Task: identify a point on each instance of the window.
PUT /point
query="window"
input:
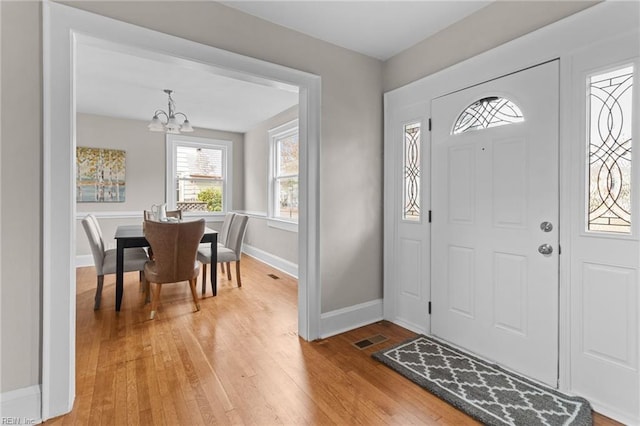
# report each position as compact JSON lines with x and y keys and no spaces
{"x":488,"y":112}
{"x":283,"y":187}
{"x":199,"y":174}
{"x":609,"y":119}
{"x":411,"y":167}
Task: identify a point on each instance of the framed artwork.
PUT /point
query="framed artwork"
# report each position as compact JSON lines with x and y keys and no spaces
{"x":100,"y":175}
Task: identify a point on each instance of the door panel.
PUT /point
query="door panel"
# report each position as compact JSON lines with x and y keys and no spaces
{"x":492,"y":291}
{"x":509,"y":183}
{"x":462,"y":184}
{"x":406,"y":300}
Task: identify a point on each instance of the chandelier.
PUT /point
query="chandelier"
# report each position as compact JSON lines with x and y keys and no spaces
{"x":170,"y":124}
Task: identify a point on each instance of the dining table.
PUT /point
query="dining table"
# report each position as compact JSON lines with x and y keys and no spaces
{"x":128,"y":236}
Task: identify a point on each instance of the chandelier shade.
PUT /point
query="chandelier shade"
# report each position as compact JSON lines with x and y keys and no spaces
{"x":169,"y":123}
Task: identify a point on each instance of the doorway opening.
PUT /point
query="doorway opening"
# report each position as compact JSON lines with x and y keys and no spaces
{"x":64,"y":28}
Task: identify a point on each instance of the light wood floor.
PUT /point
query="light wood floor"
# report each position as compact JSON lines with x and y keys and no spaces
{"x":237,"y":361}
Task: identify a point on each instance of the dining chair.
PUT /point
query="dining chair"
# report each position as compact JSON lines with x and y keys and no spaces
{"x":148,"y":215}
{"x":222,"y":238}
{"x":229,"y":253}
{"x":175,"y":248}
{"x":224,"y":230}
{"x":105,"y":260}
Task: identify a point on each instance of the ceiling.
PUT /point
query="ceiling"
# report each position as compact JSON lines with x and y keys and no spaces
{"x":380,"y":29}
{"x":118,"y":82}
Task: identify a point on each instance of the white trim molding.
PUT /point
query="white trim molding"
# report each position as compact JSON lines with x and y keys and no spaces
{"x":350,"y":318}
{"x":111,"y":214}
{"x":274,"y":261}
{"x":21,"y":406}
{"x":137,"y":214}
{"x":283,"y":225}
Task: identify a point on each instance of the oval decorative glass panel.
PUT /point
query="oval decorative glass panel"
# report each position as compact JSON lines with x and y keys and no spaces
{"x":488,"y":112}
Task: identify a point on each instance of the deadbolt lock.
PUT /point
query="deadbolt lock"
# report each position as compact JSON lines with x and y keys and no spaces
{"x":546,"y":226}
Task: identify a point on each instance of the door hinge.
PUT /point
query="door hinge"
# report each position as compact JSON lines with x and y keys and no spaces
{"x":559,"y":250}
{"x":429,"y":216}
{"x":429,"y":308}
{"x":429,"y":124}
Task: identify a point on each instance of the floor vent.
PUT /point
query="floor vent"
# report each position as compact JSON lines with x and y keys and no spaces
{"x":369,"y":341}
{"x":274,"y":276}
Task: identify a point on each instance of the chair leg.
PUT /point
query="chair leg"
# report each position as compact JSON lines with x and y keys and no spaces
{"x":192,"y":285}
{"x":98,"y":297}
{"x":146,"y":287}
{"x":155,"y":300}
{"x":222,"y":267}
{"x":229,"y":271}
{"x":238,"y":273}
{"x":204,"y":278}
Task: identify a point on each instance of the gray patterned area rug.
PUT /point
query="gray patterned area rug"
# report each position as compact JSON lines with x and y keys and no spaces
{"x":484,"y":391}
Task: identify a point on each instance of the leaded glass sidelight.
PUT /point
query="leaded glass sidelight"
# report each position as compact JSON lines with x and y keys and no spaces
{"x":609,"y":139}
{"x":411,"y":196}
{"x":488,"y":112}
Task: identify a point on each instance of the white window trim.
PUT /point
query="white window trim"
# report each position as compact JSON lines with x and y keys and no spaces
{"x":275,"y":134}
{"x":172,"y":141}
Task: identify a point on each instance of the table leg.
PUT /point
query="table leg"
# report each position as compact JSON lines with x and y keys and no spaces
{"x":119,"y":274}
{"x":214,"y":265}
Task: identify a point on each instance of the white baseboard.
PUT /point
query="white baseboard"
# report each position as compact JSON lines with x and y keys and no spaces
{"x":21,"y":406}
{"x":607,"y":410}
{"x":271,"y":260}
{"x":84,"y":260}
{"x":410,"y":326}
{"x":341,"y":320}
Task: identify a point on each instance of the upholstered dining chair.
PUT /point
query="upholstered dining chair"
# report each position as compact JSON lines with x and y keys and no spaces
{"x":228,"y":254}
{"x":175,"y":248}
{"x":105,"y":260}
{"x":224,"y":230}
{"x":149,"y":216}
{"x":222,"y":238}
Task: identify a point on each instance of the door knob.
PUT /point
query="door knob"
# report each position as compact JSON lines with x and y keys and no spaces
{"x":545,"y":249}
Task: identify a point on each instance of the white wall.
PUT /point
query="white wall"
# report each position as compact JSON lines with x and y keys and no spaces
{"x":21,"y":194}
{"x":145,"y":168}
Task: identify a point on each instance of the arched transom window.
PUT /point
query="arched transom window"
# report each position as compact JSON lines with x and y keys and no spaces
{"x":488,"y":112}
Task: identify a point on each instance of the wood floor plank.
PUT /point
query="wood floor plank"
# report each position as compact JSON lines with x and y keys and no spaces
{"x":238,"y":361}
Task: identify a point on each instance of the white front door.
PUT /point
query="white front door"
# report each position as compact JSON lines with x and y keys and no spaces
{"x":495,"y":208}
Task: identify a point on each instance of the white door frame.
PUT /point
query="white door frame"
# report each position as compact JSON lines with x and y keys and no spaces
{"x":561,"y":40}
{"x":63,"y":26}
